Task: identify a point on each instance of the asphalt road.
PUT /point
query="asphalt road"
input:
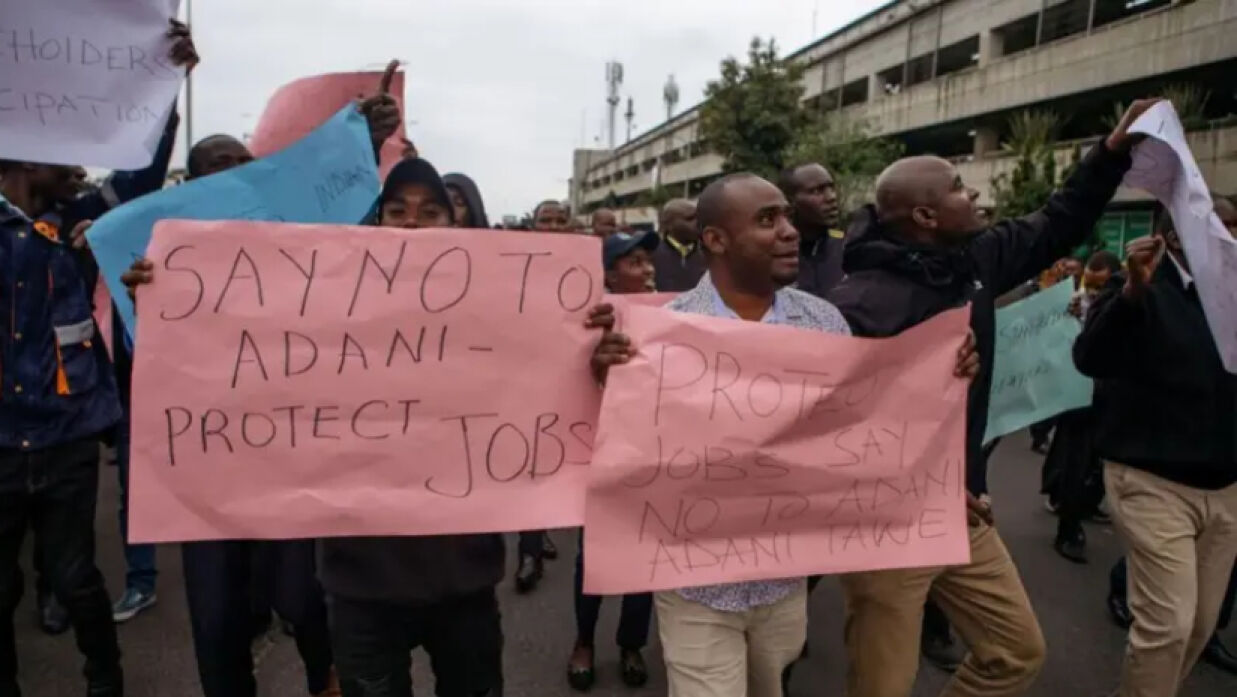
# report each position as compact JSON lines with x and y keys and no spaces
{"x":1084,"y":649}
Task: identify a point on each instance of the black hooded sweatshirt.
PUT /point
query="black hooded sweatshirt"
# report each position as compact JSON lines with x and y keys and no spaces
{"x":892,"y":285}
{"x":476,"y":207}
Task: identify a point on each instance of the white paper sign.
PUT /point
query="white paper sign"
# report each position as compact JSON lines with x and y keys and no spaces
{"x":85,"y":82}
{"x":1165,"y":167}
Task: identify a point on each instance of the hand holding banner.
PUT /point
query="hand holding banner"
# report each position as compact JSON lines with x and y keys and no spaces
{"x":315,"y":381}
{"x":85,"y":83}
{"x":732,"y":451}
{"x":329,"y":177}
{"x":1165,"y":167}
{"x":300,"y":106}
{"x":1033,"y":373}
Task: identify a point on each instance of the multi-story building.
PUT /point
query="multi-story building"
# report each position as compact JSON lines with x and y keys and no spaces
{"x":945,"y":76}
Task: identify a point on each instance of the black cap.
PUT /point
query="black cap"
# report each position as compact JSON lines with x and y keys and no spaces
{"x":415,"y":170}
{"x":620,"y":244}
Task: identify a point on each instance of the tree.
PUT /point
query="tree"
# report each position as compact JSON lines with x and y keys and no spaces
{"x":752,"y":113}
{"x":1035,"y":175}
{"x":847,"y":149}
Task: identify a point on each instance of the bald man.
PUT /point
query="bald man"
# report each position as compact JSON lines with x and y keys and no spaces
{"x":679,"y":263}
{"x":605,"y":222}
{"x":924,"y":248}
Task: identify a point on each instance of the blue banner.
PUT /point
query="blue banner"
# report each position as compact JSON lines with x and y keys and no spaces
{"x":329,"y":176}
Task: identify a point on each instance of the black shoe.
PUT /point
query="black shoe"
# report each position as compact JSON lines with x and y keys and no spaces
{"x":548,"y":550}
{"x":942,"y":652}
{"x":529,"y":573}
{"x":1219,"y":656}
{"x":111,"y":685}
{"x":1119,"y":611}
{"x":1040,"y":447}
{"x":635,"y":673}
{"x":53,"y":618}
{"x":581,"y":678}
{"x":1072,"y":547}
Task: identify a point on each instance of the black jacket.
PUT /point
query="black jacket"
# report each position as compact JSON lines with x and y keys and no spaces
{"x":820,"y":262}
{"x":892,"y":285}
{"x":411,"y":570}
{"x":675,"y":273}
{"x":1163,"y":401}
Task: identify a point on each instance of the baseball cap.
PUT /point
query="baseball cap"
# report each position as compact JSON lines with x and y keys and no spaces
{"x":620,"y":244}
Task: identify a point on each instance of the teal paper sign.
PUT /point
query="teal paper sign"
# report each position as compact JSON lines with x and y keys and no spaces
{"x":1033,"y":374}
{"x":329,"y":176}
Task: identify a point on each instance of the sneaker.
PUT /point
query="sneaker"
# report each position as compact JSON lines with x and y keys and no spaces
{"x":131,"y":603}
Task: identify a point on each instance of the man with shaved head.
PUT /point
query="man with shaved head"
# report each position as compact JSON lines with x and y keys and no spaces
{"x":679,"y":263}
{"x":605,"y":222}
{"x":922,"y":249}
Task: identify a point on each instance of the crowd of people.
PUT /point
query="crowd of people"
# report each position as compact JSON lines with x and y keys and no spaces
{"x":1159,"y":444}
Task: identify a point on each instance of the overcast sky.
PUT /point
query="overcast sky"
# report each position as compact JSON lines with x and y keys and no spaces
{"x":501,"y":90}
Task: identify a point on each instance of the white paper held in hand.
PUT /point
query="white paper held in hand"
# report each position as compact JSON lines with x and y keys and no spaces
{"x":1165,"y":167}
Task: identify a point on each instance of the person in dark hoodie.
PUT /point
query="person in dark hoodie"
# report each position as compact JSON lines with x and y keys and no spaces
{"x":390,"y":595}
{"x":466,"y":201}
{"x":924,"y":248}
{"x":1166,"y":428}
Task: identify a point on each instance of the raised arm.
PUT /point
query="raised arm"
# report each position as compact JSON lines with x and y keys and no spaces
{"x":1015,"y":250}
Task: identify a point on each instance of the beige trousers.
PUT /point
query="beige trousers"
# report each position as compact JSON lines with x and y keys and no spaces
{"x":1182,"y":542}
{"x":710,"y":653}
{"x":985,"y":603}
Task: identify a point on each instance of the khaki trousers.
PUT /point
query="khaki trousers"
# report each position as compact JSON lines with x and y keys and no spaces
{"x":985,"y":603}
{"x":710,"y":653}
{"x":1182,"y":542}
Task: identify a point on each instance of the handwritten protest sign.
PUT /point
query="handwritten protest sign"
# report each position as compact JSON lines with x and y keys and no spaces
{"x":645,"y":299}
{"x":730,"y":451}
{"x":1165,"y":167}
{"x":311,"y":381}
{"x":85,"y":82}
{"x":301,"y":106}
{"x":329,"y":177}
{"x":622,"y":301}
{"x":1033,"y":373}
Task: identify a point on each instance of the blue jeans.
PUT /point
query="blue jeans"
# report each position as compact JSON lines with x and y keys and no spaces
{"x":140,"y":570}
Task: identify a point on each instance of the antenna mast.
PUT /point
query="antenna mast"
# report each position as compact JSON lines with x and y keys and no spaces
{"x":614,"y":78}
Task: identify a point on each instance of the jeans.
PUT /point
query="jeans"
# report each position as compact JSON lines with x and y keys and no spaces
{"x":140,"y":571}
{"x":218,"y":584}
{"x":637,"y":613}
{"x":53,"y":491}
{"x":462,"y":635}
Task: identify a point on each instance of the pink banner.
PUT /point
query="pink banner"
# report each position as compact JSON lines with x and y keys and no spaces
{"x":302,"y":105}
{"x":733,"y":451}
{"x":319,"y":380}
{"x":645,"y":299}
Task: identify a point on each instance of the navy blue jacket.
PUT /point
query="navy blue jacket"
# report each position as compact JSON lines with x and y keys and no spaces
{"x":56,"y":380}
